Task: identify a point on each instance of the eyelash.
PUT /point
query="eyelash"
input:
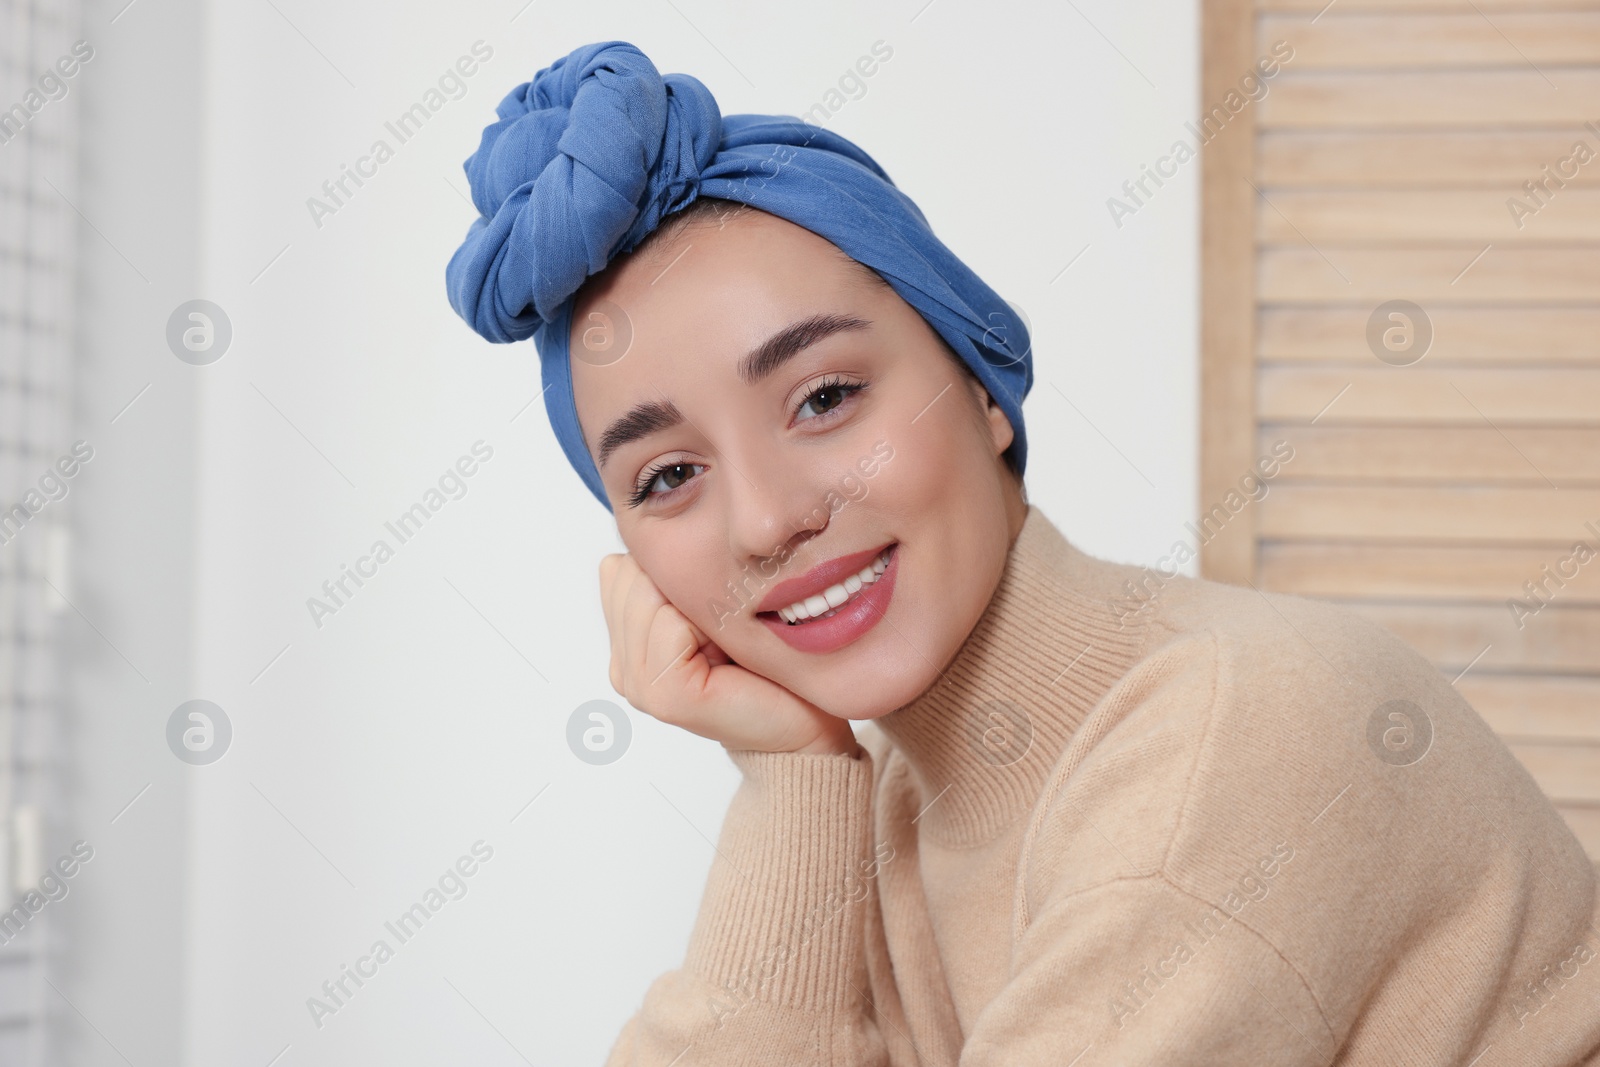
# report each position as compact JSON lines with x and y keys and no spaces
{"x":641,"y":491}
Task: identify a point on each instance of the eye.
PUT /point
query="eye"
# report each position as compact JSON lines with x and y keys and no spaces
{"x":832,"y":393}
{"x":672,"y":473}
{"x":825,"y":399}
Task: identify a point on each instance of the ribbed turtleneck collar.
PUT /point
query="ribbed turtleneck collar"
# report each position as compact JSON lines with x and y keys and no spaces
{"x":1047,"y":647}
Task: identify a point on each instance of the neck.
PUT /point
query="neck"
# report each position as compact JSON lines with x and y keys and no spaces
{"x":982,"y":739}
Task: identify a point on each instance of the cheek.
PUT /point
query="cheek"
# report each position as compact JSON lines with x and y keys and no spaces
{"x":937,"y":455}
{"x":693,"y":579}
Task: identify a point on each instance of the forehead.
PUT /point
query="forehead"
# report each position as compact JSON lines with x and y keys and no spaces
{"x":714,"y":259}
{"x":690,"y":307}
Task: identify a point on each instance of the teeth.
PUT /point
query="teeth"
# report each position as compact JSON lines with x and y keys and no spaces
{"x":826,"y":603}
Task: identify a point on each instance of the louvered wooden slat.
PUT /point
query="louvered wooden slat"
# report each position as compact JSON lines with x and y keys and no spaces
{"x":1433,"y":514}
{"x":1461,"y":334}
{"x":1435,"y":572}
{"x":1570,"y":457}
{"x":1560,"y":639}
{"x":1434,"y":100}
{"x":1332,"y":274}
{"x":1400,"y":40}
{"x":1585,"y":823}
{"x":1314,"y":7}
{"x":1555,"y":216}
{"x":1416,"y":394}
{"x":1564,"y":772}
{"x":1548,"y":708}
{"x":1502,"y":159}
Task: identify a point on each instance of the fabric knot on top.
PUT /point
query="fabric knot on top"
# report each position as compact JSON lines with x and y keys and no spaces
{"x":585,"y":161}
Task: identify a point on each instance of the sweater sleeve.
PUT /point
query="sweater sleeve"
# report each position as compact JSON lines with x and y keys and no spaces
{"x":1118,"y":974}
{"x":775,"y":970}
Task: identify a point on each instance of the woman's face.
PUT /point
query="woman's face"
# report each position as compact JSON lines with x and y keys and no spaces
{"x":777,"y":409}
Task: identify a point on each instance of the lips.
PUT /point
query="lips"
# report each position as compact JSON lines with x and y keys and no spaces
{"x":818,"y":578}
{"x":846,"y":623}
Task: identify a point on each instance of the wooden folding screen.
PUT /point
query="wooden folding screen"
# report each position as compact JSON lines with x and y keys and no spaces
{"x":1401,"y":279}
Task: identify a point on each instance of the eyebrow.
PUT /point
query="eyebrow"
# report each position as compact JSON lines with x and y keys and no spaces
{"x":653,"y":416}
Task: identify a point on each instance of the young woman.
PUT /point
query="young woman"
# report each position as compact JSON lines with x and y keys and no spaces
{"x":1091,"y":820}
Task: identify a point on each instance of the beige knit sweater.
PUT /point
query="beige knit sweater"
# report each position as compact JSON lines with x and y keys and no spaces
{"x":1174,"y":822}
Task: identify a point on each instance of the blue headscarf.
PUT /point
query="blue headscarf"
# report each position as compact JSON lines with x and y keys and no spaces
{"x":590,"y":156}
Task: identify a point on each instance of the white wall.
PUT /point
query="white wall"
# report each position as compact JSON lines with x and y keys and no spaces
{"x":427,"y":711}
{"x":130,"y":639}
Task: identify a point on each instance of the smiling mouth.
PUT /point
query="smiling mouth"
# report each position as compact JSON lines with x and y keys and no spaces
{"x":835,"y":598}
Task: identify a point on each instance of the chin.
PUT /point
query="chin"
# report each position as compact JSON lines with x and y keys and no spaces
{"x":868,"y":693}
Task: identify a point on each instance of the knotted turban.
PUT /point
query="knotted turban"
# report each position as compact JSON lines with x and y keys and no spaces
{"x":589,"y":157}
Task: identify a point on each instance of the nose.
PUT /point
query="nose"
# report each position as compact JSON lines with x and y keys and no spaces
{"x":771,"y":507}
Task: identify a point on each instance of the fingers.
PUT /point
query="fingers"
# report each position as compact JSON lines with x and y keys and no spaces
{"x":617,"y":586}
{"x":715,"y":655}
{"x":648,"y":635}
{"x":643,"y":653}
{"x":668,"y":668}
{"x":668,"y":643}
{"x":610,"y":588}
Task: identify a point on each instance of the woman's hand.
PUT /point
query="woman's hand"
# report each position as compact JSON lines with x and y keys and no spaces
{"x":666,"y":667}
